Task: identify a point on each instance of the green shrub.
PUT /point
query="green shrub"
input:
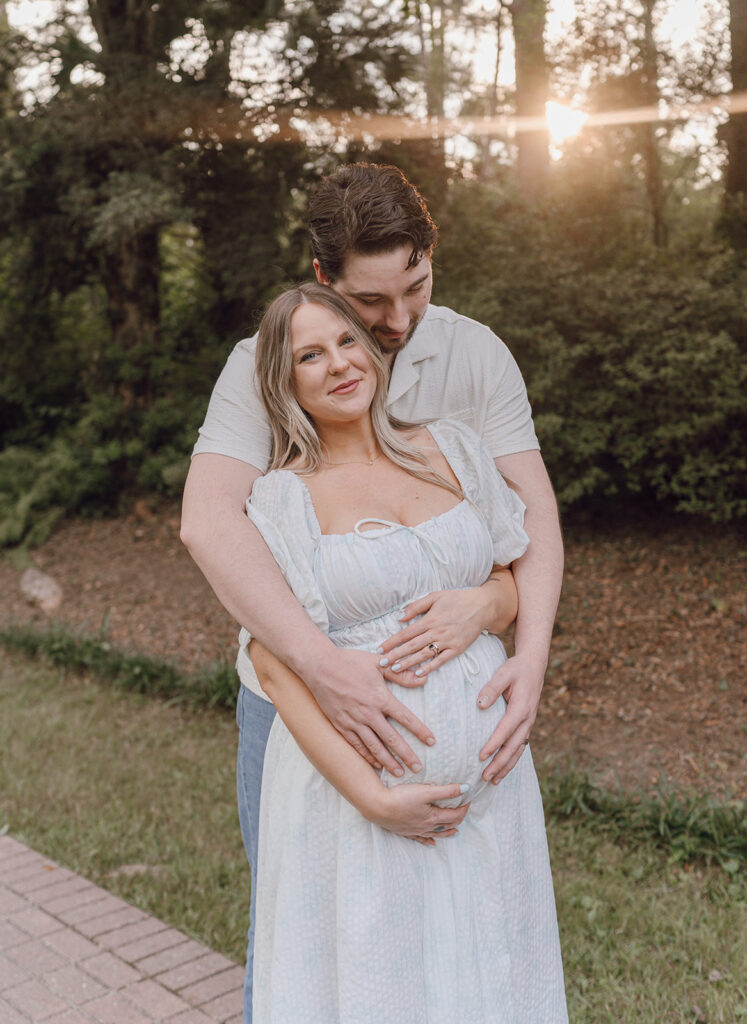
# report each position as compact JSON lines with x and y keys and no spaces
{"x":213,"y":686}
{"x":634,"y":363}
{"x":690,"y":826}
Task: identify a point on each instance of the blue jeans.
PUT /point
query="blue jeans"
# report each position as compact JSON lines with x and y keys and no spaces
{"x":254,"y":717}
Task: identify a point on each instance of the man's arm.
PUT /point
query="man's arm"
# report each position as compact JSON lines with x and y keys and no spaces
{"x":407,"y":809}
{"x":538,"y":575}
{"x":246,"y":579}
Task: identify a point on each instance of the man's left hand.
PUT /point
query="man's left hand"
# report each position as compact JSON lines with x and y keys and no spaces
{"x":520,"y":682}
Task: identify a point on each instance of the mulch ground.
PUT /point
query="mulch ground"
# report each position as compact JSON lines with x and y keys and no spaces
{"x":647,"y":672}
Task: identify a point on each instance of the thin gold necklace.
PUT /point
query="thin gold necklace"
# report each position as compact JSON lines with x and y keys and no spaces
{"x":356,"y":462}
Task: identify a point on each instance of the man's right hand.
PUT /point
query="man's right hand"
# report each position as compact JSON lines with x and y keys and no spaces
{"x":352,"y":693}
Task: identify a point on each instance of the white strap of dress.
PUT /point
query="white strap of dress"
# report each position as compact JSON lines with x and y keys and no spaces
{"x":434,"y":553}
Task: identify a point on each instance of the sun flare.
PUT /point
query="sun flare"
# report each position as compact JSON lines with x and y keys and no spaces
{"x":563,"y":122}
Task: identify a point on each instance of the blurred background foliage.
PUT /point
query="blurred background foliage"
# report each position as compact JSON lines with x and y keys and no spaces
{"x":155,"y":160}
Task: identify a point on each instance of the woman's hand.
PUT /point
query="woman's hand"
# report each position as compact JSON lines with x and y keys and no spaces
{"x":451,"y":620}
{"x":410,"y":810}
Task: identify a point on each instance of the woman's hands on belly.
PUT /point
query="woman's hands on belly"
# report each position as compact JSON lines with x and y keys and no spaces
{"x":451,"y":620}
{"x":411,"y":810}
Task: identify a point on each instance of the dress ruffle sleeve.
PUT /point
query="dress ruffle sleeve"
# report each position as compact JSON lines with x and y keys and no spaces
{"x":481,"y":482}
{"x":280,"y":507}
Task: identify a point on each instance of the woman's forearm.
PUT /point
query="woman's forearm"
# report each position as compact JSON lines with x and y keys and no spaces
{"x":503,"y":597}
{"x":409,"y":810}
{"x":332,"y":756}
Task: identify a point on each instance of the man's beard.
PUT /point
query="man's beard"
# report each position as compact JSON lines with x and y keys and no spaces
{"x":391,"y":346}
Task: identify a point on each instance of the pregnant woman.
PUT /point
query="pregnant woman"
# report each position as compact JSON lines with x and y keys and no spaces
{"x":356,"y":922}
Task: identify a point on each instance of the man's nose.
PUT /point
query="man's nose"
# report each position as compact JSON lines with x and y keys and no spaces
{"x":397,"y":317}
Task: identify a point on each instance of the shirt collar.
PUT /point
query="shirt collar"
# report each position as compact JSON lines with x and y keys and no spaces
{"x":406,"y":369}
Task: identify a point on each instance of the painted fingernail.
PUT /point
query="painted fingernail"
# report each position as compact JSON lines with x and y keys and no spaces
{"x":418,"y":671}
{"x":481,"y":702}
{"x":384,"y":662}
{"x":379,"y":650}
{"x":430,"y":740}
{"x":396,"y":667}
{"x":464,"y":788}
{"x":416,"y":766}
{"x":398,"y":772}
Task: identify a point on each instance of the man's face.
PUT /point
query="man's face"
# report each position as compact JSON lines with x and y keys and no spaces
{"x":390,"y":297}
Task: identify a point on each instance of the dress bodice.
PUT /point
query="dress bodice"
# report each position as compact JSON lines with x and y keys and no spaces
{"x":368,"y":573}
{"x":344,"y":579}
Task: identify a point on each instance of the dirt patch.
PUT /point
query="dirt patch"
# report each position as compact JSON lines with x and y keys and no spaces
{"x":647,"y":671}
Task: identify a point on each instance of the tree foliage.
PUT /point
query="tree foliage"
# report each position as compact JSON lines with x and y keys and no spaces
{"x":153,"y":182}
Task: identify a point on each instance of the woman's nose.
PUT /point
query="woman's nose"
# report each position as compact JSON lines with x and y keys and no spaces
{"x":338,"y":362}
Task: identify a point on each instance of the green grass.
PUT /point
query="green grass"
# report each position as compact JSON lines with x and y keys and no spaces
{"x":689,"y":827}
{"x":98,"y":778}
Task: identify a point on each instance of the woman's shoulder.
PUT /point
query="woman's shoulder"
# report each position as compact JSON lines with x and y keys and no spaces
{"x":282,"y":496}
{"x":274,"y":483}
{"x":450,"y":434}
{"x":466,"y":453}
{"x":445,"y":430}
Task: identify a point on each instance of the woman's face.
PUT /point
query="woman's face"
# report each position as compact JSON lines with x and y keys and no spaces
{"x":333,"y":377}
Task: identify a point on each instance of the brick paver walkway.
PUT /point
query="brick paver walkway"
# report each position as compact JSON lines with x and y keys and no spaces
{"x":71,"y":953}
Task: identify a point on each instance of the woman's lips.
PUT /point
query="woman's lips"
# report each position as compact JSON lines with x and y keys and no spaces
{"x":346,"y":388}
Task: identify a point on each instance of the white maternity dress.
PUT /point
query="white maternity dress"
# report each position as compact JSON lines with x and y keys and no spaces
{"x":357,"y":925}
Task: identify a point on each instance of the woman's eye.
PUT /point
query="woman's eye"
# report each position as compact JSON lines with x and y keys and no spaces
{"x":307,"y":356}
{"x":350,"y":340}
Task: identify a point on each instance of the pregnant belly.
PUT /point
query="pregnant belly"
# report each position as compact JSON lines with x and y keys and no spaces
{"x":447,"y":703}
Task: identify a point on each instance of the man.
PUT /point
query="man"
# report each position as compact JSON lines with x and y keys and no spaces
{"x":372,"y":240}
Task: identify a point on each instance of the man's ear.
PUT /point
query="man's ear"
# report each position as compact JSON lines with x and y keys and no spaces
{"x":320,"y":275}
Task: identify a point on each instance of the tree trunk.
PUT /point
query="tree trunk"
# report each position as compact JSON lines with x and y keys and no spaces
{"x":130,"y":264}
{"x":734,"y":219}
{"x":485,"y":161}
{"x":130,"y":275}
{"x":650,"y":147}
{"x":432,"y":38}
{"x":533,"y":165}
{"x":123,"y":26}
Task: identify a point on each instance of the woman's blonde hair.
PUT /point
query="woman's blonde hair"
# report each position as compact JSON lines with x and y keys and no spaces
{"x":294,"y":437}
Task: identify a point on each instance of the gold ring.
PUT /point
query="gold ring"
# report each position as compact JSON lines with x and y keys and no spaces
{"x":435,"y":648}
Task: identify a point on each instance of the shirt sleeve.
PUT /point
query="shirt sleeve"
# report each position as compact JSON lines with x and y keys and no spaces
{"x":236,"y":422}
{"x":501,"y":507}
{"x":280,"y":508}
{"x":508,"y":422}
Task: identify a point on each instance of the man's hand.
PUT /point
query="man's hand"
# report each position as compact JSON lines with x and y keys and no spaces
{"x":452,"y":620}
{"x":411,"y":810}
{"x":353,"y":695}
{"x":520,"y":682}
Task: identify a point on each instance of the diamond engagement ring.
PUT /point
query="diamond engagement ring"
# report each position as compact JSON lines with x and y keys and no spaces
{"x":435,"y":648}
